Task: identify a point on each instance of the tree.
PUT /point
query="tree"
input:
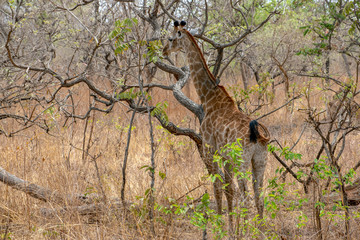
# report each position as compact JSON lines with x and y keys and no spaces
{"x":65,"y":61}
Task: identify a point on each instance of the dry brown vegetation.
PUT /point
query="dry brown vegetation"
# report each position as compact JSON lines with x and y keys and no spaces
{"x":56,"y":161}
{"x":65,"y":115}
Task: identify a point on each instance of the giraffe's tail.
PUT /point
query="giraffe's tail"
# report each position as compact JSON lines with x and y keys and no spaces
{"x":255,"y":135}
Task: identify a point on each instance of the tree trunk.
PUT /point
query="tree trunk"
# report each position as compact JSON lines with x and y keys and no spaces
{"x":244,"y":75}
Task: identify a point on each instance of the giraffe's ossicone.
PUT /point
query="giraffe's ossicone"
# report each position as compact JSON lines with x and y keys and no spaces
{"x":223,"y":123}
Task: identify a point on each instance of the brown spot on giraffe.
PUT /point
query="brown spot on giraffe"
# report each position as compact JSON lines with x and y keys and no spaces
{"x":223,"y":124}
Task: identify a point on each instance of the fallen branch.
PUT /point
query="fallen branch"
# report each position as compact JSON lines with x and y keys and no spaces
{"x":85,"y":209}
{"x":41,"y":193}
{"x":32,"y":189}
{"x":352,"y":191}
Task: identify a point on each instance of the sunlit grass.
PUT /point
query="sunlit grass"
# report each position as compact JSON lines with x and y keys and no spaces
{"x":56,"y":162}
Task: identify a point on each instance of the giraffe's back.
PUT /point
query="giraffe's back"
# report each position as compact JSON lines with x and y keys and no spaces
{"x":225,"y":126}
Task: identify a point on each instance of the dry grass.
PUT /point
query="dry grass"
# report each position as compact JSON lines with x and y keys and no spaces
{"x":56,"y":162}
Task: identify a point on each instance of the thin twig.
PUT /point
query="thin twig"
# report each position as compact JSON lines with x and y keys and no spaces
{"x":285,"y":104}
{"x":297,"y":141}
{"x":200,"y":185}
{"x":287,"y":168}
{"x":84,"y":26}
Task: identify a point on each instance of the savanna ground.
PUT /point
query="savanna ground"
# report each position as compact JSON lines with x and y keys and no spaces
{"x":56,"y":161}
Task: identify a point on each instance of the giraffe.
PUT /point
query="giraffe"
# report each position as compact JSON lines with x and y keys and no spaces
{"x":222,"y":124}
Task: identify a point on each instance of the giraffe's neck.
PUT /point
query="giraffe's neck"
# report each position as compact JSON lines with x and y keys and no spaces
{"x":211,"y":96}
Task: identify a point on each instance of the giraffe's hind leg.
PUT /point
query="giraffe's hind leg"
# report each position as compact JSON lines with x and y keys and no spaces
{"x":258,"y":168}
{"x":242,"y":182}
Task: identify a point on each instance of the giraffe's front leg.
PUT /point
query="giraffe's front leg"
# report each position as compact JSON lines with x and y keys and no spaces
{"x":213,"y":169}
{"x":229,"y":193}
{"x":242,"y":181}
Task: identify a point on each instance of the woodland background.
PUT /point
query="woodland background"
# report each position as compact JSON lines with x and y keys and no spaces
{"x":100,"y":131}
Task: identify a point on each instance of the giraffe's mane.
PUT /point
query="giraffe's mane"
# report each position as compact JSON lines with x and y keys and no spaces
{"x":211,"y":76}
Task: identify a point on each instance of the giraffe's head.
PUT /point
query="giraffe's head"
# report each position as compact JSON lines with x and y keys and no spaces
{"x":175,"y":42}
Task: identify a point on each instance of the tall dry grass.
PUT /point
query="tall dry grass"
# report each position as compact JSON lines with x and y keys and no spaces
{"x":56,"y":161}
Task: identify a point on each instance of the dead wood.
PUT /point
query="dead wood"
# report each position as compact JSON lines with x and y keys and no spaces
{"x":31,"y":189}
{"x":71,"y":202}
{"x":39,"y":192}
{"x":352,"y":191}
{"x":86,"y":209}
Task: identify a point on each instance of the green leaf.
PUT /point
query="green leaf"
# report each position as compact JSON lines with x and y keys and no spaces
{"x":162,"y":175}
{"x":159,"y":111}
